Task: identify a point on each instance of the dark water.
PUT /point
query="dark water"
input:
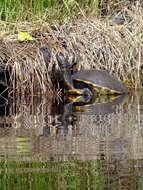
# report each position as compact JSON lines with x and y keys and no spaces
{"x":48,"y":145}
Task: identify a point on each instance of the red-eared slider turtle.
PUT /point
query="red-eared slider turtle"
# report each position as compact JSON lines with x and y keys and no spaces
{"x":88,"y":82}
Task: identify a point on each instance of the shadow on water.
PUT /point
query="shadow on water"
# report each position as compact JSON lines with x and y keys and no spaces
{"x":97,"y":145}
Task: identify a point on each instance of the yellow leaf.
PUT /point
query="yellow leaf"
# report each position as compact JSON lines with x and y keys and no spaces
{"x":24,"y":36}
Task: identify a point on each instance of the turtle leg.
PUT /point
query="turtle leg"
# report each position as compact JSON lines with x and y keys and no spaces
{"x":82,"y":95}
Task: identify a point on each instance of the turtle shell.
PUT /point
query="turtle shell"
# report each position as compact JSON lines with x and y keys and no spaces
{"x":99,"y":81}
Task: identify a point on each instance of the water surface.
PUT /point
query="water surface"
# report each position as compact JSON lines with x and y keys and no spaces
{"x":49,"y":145}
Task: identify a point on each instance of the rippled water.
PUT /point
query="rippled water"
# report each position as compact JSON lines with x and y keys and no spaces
{"x":48,"y":145}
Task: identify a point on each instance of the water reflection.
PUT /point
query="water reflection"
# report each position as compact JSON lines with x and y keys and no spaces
{"x":72,"y":145}
{"x":99,"y":106}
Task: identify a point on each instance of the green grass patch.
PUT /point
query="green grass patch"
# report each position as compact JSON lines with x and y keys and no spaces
{"x":12,"y":10}
{"x":40,"y":175}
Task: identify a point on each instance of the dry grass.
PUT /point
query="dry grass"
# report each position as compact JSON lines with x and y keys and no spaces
{"x":92,"y":43}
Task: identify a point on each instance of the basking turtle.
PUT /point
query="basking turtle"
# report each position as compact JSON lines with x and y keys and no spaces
{"x":88,"y":82}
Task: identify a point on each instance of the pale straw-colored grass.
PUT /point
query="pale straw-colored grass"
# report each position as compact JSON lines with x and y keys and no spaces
{"x":90,"y":42}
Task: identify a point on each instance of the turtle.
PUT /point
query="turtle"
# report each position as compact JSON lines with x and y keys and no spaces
{"x":88,"y":82}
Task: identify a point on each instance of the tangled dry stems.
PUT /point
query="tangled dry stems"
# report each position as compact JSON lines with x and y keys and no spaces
{"x":90,"y":42}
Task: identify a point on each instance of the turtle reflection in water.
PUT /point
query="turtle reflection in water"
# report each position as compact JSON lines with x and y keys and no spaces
{"x":99,"y":105}
{"x":88,"y":83}
{"x":65,"y":115}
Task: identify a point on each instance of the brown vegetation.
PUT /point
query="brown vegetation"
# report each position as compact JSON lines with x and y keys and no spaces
{"x":90,"y":42}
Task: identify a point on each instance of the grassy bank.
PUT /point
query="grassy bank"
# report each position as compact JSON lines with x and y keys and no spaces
{"x":29,"y":10}
{"x":91,"y":39}
{"x":45,"y":9}
{"x":17,"y":15}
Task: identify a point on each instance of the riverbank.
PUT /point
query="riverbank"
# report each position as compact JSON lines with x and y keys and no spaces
{"x":92,"y":42}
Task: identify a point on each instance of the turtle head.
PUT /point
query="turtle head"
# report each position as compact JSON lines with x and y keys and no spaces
{"x":46,"y":51}
{"x":62,"y":61}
